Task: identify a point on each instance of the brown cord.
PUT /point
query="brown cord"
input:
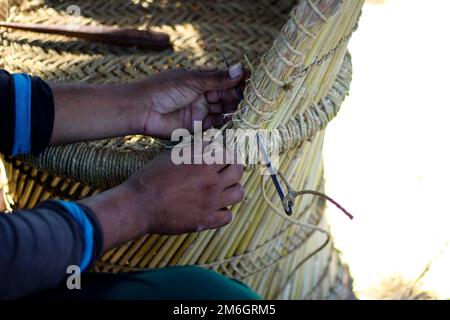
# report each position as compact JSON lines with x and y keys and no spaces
{"x":324,"y":196}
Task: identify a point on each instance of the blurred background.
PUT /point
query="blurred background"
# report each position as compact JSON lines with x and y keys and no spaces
{"x":387,"y":153}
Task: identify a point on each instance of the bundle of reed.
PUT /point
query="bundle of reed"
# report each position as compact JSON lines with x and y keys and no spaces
{"x":301,"y":76}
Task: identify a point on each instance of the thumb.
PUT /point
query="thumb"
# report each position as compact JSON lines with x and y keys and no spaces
{"x":219,"y":79}
{"x":220,"y":219}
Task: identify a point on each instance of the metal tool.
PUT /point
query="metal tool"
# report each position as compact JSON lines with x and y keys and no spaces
{"x":287,"y":203}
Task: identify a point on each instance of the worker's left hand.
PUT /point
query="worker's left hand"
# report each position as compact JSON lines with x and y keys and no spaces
{"x":175,"y":99}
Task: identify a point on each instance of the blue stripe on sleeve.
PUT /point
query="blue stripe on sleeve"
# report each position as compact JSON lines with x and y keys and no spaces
{"x":22,"y":137}
{"x":88,"y":231}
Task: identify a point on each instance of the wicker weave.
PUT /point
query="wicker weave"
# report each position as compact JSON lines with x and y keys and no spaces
{"x":302,"y":76}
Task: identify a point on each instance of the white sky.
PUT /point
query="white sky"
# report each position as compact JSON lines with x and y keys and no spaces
{"x":386,"y":153}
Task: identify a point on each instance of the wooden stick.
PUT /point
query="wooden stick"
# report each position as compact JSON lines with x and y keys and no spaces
{"x":111,"y":35}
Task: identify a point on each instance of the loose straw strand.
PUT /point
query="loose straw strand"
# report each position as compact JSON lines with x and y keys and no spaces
{"x":291,"y":197}
{"x":283,"y":215}
{"x":293,"y":194}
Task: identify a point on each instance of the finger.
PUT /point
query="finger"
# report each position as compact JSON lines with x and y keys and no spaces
{"x":230,"y":107}
{"x":216,"y":108}
{"x":233,"y":156}
{"x":231,"y":174}
{"x":215,"y":121}
{"x":213,"y":154}
{"x":243,"y":85}
{"x":219,"y":114}
{"x":225,"y":95}
{"x":218,"y":80}
{"x":231,"y":195}
{"x":207,"y":69}
{"x":199,"y":109}
{"x":219,"y":219}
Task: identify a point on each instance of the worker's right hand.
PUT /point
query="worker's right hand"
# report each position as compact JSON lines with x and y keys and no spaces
{"x":175,"y":199}
{"x":165,"y":198}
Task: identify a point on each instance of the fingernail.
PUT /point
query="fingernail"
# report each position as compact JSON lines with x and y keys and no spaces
{"x":236,"y":71}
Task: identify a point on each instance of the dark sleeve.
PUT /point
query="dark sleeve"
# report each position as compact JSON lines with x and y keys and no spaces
{"x":41,"y":108}
{"x":38,"y":245}
{"x":42,"y":115}
{"x":7,"y":113}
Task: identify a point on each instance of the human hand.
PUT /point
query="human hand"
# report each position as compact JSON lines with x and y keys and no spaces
{"x":165,"y":198}
{"x":175,"y":99}
{"x":157,"y":106}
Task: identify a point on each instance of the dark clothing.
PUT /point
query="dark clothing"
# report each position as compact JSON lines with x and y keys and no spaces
{"x":38,"y":245}
{"x":41,"y":108}
{"x":175,"y":283}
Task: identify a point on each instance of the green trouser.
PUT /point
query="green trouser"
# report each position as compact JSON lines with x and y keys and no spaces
{"x":174,"y":283}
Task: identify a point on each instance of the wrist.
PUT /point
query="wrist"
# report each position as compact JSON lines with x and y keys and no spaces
{"x":130,"y":109}
{"x":118,"y":219}
{"x":133,"y":107}
{"x":139,"y":96}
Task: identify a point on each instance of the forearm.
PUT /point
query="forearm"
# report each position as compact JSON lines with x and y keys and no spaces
{"x":86,"y":112}
{"x":36,"y":113}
